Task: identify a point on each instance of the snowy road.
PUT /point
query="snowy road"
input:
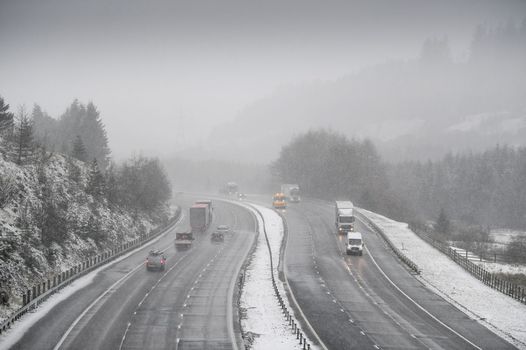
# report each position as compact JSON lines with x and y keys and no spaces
{"x":351,"y":300}
{"x":190,"y":306}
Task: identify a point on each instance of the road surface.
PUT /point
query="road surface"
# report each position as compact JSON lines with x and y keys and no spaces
{"x":351,"y":301}
{"x":188,"y":306}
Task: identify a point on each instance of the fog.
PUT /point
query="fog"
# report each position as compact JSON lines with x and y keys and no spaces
{"x":185,"y":78}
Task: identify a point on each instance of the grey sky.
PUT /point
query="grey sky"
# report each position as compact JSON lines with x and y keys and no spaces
{"x":163,"y":72}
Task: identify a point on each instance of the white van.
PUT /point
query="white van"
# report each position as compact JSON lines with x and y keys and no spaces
{"x":354,"y":243}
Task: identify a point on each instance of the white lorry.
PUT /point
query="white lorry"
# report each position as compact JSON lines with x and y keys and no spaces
{"x":354,"y":243}
{"x":291,"y":192}
{"x":344,"y":217}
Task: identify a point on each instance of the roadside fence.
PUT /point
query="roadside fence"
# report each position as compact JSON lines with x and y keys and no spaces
{"x":35,"y":295}
{"x":511,"y":289}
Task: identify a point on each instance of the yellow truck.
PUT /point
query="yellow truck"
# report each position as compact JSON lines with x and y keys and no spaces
{"x":278,"y":201}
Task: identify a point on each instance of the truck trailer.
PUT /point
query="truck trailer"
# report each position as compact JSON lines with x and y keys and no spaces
{"x":291,"y":192}
{"x":344,"y":217}
{"x":208,"y":203}
{"x":199,"y":217}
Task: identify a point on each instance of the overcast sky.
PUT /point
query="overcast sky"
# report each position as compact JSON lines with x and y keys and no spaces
{"x":163,"y":72}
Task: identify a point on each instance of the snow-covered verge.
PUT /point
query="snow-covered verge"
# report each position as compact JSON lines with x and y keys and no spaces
{"x":498,"y":312}
{"x":263,"y":322}
{"x":26,"y":258}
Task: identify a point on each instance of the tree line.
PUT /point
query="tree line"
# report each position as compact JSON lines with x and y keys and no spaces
{"x":486,"y":189}
{"x":329,"y":166}
{"x":138,"y":185}
{"x":79,"y":132}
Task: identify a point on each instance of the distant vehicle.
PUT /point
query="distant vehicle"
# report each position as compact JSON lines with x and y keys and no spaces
{"x":200,"y":217}
{"x":223,"y":229}
{"x":232,"y":188}
{"x":183,"y":240}
{"x":207,"y":202}
{"x":241,"y":196}
{"x":344,"y":217}
{"x":291,"y":192}
{"x":354,"y":243}
{"x":155,"y":260}
{"x":278,"y":201}
{"x":219,"y":234}
{"x":217,"y":237}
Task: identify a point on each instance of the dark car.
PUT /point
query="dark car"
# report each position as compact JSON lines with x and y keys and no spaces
{"x":217,"y":237}
{"x":219,"y":234}
{"x":155,"y":260}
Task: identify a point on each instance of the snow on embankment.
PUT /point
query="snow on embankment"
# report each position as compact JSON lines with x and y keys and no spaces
{"x":50,"y":223}
{"x":264,"y":322}
{"x":500,"y":313}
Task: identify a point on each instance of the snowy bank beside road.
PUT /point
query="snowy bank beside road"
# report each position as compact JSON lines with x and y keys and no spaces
{"x":263,"y":315}
{"x":500,"y":313}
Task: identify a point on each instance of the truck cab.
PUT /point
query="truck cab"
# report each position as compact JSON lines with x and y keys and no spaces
{"x":183,"y":240}
{"x":344,"y":219}
{"x":354,"y":243}
{"x":278,"y":201}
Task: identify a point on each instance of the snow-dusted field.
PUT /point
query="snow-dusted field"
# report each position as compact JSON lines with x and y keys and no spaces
{"x":505,"y":236}
{"x":502,"y":268}
{"x":500,"y":313}
{"x":264,"y":318}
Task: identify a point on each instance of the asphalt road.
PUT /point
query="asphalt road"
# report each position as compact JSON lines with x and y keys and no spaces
{"x":351,"y":301}
{"x":188,"y":306}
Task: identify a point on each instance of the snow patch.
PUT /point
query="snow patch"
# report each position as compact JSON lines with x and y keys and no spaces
{"x":264,"y":319}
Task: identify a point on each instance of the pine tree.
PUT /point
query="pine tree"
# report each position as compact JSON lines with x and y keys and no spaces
{"x":73,"y":170}
{"x":6,"y":117}
{"x":112,"y":185}
{"x":79,"y":150}
{"x":24,"y":145}
{"x":94,"y":134}
{"x":96,"y":182}
{"x":52,"y":224}
{"x":93,"y":229}
{"x":443,"y":224}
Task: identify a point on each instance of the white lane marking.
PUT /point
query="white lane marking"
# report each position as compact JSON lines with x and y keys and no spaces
{"x":70,"y":329}
{"x":418,"y":305}
{"x":61,"y":341}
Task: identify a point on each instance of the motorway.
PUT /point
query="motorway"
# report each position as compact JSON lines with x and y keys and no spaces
{"x":188,"y":306}
{"x":352,"y":302}
{"x":371,"y":301}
